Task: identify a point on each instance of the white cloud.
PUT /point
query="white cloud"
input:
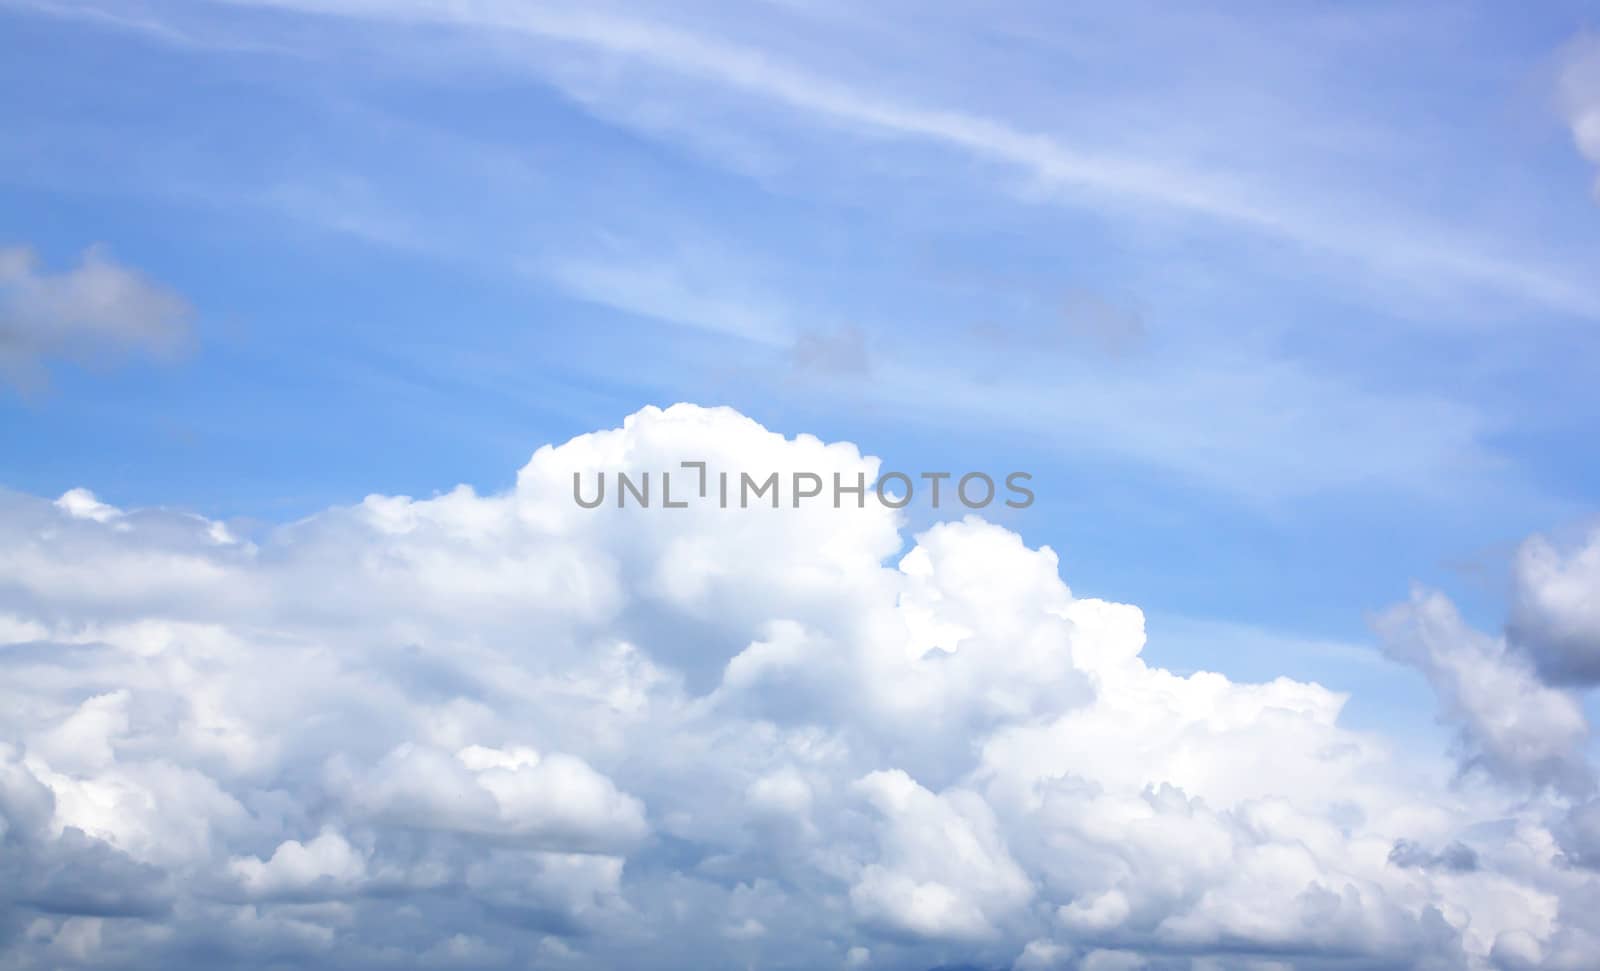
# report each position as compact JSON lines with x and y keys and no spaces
{"x":97,"y":311}
{"x":1298,"y":167}
{"x":81,"y":504}
{"x":554,"y":799}
{"x":327,"y":862}
{"x":943,"y":870}
{"x":621,"y":56}
{"x":1511,"y":723}
{"x":1042,"y":955}
{"x":688,"y":288}
{"x":497,"y":730}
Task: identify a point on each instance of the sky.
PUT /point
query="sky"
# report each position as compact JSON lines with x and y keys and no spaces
{"x":1289,"y":311}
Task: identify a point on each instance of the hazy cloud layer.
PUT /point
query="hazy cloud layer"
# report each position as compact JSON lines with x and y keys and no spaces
{"x":495,"y":731}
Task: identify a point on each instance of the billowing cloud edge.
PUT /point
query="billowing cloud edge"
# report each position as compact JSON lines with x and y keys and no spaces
{"x":492,"y":730}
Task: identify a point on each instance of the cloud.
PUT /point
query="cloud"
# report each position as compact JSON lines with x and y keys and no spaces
{"x":1081,"y":319}
{"x":99,"y":311}
{"x":515,"y":794}
{"x":1579,"y":93}
{"x":718,"y":76}
{"x":1510,"y":723}
{"x":1555,"y":613}
{"x":501,"y":730}
{"x":1046,"y":128}
{"x":1457,"y":857}
{"x":839,"y":352}
{"x":66,"y":872}
{"x":1579,"y":835}
{"x":328,"y":861}
{"x":687,"y":286}
{"x":943,"y":870}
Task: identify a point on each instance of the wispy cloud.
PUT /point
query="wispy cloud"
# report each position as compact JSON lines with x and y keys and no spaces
{"x":1264,"y":428}
{"x":1383,"y":243}
{"x":1580,"y":97}
{"x":1264,"y":399}
{"x":687,"y":288}
{"x":99,"y":310}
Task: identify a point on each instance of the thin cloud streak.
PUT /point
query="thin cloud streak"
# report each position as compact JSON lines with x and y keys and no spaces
{"x":1385,"y":248}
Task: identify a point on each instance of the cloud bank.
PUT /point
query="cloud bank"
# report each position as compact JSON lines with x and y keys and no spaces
{"x":487,"y":731}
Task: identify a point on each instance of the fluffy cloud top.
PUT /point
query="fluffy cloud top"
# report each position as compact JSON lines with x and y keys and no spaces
{"x":96,"y":312}
{"x":502,"y":731}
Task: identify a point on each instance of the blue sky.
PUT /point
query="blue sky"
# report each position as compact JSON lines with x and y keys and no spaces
{"x":1285,"y":307}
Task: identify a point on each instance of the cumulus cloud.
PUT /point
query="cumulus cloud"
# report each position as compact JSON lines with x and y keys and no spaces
{"x":97,"y":311}
{"x":942,"y":870}
{"x":514,"y":794}
{"x":1510,"y":723}
{"x":1457,"y":857}
{"x":1579,"y":835}
{"x":296,"y":867}
{"x":1555,"y":614}
{"x":502,"y":731}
